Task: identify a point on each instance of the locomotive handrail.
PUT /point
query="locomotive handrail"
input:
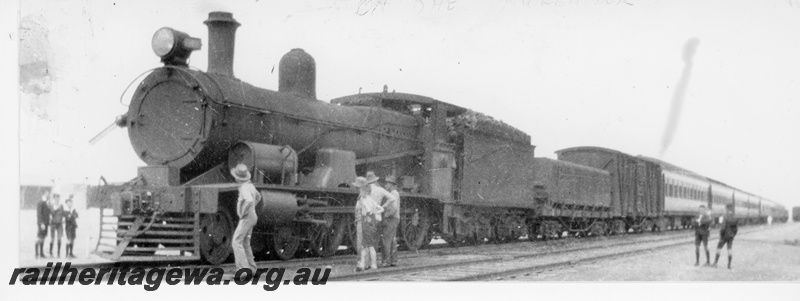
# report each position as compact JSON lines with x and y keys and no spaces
{"x":121,"y":96}
{"x":283,"y":164}
{"x":100,"y":230}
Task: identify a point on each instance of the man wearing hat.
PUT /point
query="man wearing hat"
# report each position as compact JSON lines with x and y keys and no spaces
{"x":368,"y":215}
{"x":391,"y":218}
{"x":730,"y":226}
{"x":249,"y":198}
{"x":42,"y":221}
{"x":378,"y":194}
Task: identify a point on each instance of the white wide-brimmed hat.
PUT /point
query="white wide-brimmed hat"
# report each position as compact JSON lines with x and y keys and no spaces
{"x":371,"y":177}
{"x":241,"y":173}
{"x":360,"y":182}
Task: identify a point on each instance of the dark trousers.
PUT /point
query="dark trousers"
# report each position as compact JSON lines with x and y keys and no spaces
{"x":42,"y":234}
{"x":56,"y":232}
{"x":698,"y":238}
{"x":723,"y":241}
{"x":389,"y":243}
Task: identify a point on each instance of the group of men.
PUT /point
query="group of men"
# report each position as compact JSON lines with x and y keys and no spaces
{"x":387,"y":199}
{"x":377,"y":217}
{"x":57,"y":217}
{"x":726,"y":234}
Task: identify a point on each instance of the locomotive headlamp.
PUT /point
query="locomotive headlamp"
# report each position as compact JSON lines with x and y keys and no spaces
{"x":174,"y":47}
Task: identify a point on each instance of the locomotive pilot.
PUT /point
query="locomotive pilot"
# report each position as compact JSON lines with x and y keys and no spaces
{"x":701,"y":233}
{"x":730,"y":226}
{"x":246,"y":204}
{"x":56,"y":223}
{"x":42,"y":222}
{"x":391,"y":218}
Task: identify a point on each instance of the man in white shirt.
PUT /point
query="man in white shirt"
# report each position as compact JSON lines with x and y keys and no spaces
{"x":249,"y":198}
{"x":380,"y":195}
{"x":391,"y":219}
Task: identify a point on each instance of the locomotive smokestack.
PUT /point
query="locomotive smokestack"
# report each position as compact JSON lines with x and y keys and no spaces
{"x":221,"y":39}
{"x":297,"y":74}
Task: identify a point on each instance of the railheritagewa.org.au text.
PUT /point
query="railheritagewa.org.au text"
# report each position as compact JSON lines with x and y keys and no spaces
{"x":151,"y":279}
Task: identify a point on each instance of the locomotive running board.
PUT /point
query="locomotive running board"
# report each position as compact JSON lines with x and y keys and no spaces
{"x":148,"y":238}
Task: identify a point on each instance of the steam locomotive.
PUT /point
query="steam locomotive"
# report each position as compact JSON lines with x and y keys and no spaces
{"x":464,"y":176}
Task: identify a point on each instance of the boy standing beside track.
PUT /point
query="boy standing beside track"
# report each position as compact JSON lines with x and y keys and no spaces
{"x":70,"y":225}
{"x":730,"y":226}
{"x":702,"y":223}
{"x":42,"y":221}
{"x":56,"y":223}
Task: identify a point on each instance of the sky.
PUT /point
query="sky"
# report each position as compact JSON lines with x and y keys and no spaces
{"x":568,"y":72}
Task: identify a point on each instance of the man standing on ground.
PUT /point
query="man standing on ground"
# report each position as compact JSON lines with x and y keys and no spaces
{"x":42,"y":221}
{"x":730,"y":226}
{"x":368,"y":215}
{"x":701,"y":233}
{"x":391,"y":218}
{"x":378,"y":194}
{"x":249,"y":198}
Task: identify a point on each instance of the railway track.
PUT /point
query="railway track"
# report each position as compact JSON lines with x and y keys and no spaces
{"x":505,"y":266}
{"x":504,"y":260}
